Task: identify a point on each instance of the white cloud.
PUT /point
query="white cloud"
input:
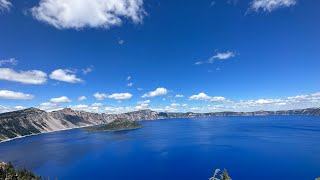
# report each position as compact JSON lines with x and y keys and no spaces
{"x":271,"y":5}
{"x":11,"y":61}
{"x":120,"y":96}
{"x":121,"y":42}
{"x":5,"y":5}
{"x":82,"y":98}
{"x":100,"y":96}
{"x":218,"y":56}
{"x":305,"y":98}
{"x":165,"y":109}
{"x":204,"y":97}
{"x":200,"y":96}
{"x":292,"y":102}
{"x":222,"y":56}
{"x":88,"y":13}
{"x":96,"y":104}
{"x":62,"y":99}
{"x":25,"y":77}
{"x":4,"y":109}
{"x":117,"y":110}
{"x":218,"y":99}
{"x":157,"y":92}
{"x":130,"y":84}
{"x":19,"y":107}
{"x":65,"y":75}
{"x":87,"y":70}
{"x":6,"y":94}
{"x":80,"y":106}
{"x":116,"y":96}
{"x":94,"y":108}
{"x":49,"y":106}
{"x":128,"y":78}
{"x":175,"y":105}
{"x":142,"y":105}
{"x":179,"y":96}
{"x":144,"y":102}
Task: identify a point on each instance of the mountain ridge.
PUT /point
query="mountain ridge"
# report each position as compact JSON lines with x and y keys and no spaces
{"x":32,"y":121}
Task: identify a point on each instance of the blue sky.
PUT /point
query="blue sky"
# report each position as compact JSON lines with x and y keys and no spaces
{"x":124,"y":55}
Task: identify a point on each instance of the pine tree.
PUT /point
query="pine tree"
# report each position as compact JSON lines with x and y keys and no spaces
{"x":224,"y":175}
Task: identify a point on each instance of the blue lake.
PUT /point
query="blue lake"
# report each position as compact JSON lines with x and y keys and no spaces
{"x":251,"y":148}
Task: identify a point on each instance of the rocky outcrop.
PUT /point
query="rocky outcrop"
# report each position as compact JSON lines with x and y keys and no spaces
{"x":34,"y":121}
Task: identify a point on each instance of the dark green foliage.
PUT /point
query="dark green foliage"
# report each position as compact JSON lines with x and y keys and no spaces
{"x":223,"y":176}
{"x":7,"y":172}
{"x":117,"y":125}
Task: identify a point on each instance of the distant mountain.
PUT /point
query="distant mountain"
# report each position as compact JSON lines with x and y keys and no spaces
{"x":34,"y":121}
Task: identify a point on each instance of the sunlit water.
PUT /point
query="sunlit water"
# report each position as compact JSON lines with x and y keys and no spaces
{"x":251,"y":148}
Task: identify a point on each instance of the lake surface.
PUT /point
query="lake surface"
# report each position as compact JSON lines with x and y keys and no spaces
{"x":251,"y":148}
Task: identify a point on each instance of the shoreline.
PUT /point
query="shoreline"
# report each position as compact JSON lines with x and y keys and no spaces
{"x":15,"y":138}
{"x":123,"y":129}
{"x":20,"y":137}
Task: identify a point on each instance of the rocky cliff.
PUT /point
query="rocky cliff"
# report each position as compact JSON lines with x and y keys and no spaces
{"x":33,"y":121}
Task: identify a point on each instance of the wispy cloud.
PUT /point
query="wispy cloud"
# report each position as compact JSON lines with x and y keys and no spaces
{"x":49,"y":106}
{"x":218,"y":56}
{"x":6,"y":94}
{"x":142,"y":104}
{"x":97,"y":104}
{"x":100,"y":96}
{"x":25,"y":77}
{"x":5,"y":5}
{"x":120,"y":96}
{"x":204,"y":97}
{"x":233,"y":2}
{"x":212,"y":3}
{"x":87,"y":70}
{"x":80,"y":14}
{"x":270,"y":5}
{"x":10,"y":108}
{"x":179,"y":96}
{"x":292,"y":102}
{"x":11,"y":61}
{"x":116,"y":96}
{"x":82,"y":98}
{"x":121,"y":42}
{"x":175,"y":105}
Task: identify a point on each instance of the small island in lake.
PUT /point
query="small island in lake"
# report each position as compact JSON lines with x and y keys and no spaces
{"x":116,"y":125}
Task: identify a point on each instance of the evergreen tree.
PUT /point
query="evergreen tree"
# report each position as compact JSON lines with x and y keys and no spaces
{"x":7,"y":172}
{"x":224,"y":175}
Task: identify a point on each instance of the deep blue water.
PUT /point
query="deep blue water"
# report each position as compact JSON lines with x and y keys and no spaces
{"x":251,"y":148}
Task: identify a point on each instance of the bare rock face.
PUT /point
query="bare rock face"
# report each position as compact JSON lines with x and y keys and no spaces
{"x":33,"y":121}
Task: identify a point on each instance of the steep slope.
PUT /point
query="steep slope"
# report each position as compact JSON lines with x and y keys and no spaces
{"x":33,"y":121}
